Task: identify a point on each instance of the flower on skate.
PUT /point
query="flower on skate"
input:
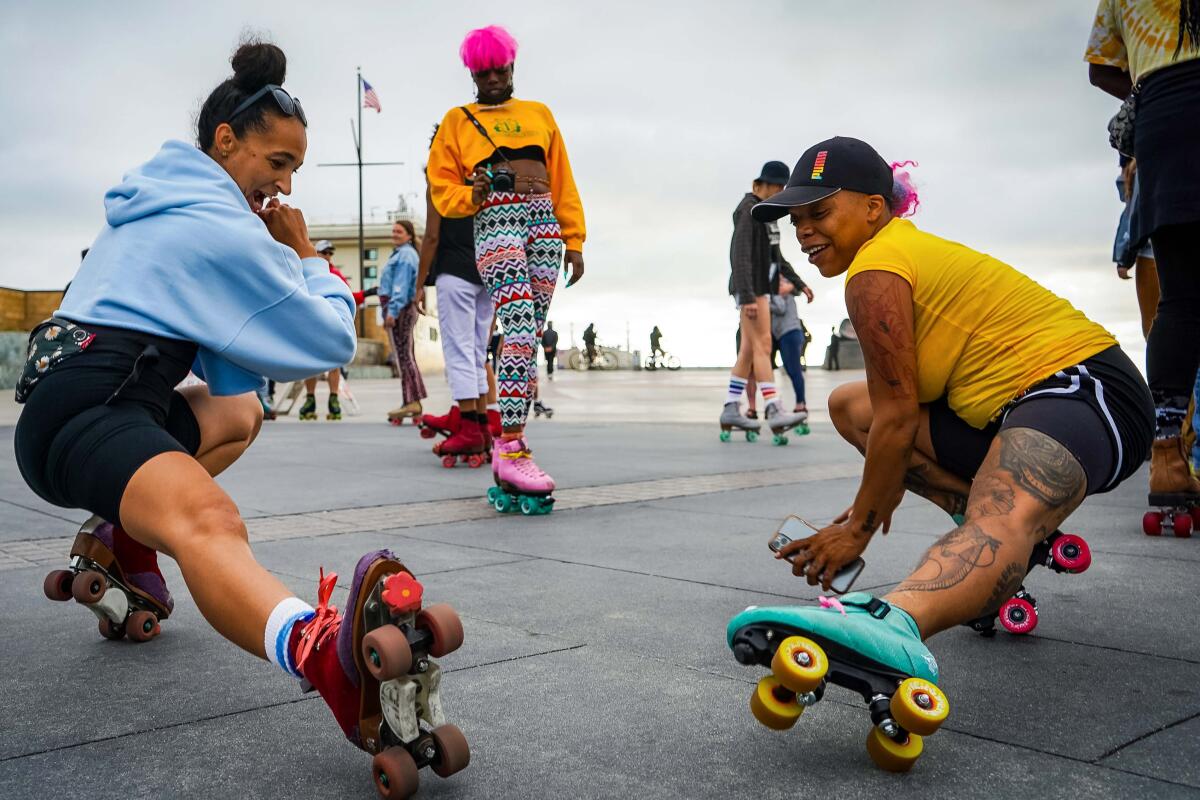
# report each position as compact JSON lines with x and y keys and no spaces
{"x":402,"y":592}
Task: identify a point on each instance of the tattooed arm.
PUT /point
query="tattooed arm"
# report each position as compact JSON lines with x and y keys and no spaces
{"x":880,"y":305}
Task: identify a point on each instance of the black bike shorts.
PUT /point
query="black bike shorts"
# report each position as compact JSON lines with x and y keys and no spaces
{"x":1099,"y":410}
{"x":92,"y":421}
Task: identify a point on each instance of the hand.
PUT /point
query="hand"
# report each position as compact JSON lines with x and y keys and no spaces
{"x":887,"y":521}
{"x":819,"y":557}
{"x":286,"y":226}
{"x":389,"y":322}
{"x":574,"y":260}
{"x":419,"y":299}
{"x":1123,"y":272}
{"x":807,"y":293}
{"x":481,"y":185}
{"x":751,"y":310}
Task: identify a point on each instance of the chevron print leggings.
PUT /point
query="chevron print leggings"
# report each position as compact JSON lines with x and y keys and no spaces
{"x":518,"y":250}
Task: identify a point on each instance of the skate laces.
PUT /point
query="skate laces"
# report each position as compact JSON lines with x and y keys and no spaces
{"x":323,"y":625}
{"x":832,"y":602}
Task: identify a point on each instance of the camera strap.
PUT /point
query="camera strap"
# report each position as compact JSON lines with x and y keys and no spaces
{"x":483,"y":132}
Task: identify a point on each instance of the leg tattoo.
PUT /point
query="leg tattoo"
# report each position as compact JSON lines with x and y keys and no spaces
{"x":952,"y":559}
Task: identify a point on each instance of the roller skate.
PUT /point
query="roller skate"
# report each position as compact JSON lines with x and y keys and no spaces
{"x":520,"y":483}
{"x":780,"y":422}
{"x":335,"y":408}
{"x":375,"y":668}
{"x":540,"y":409}
{"x":1174,"y":491}
{"x":440,"y":425}
{"x":860,"y":643}
{"x":125,"y":602}
{"x":1061,"y":552}
{"x":493,"y":423}
{"x":465,"y":446}
{"x":407,"y":411}
{"x":308,"y":411}
{"x":732,"y":419}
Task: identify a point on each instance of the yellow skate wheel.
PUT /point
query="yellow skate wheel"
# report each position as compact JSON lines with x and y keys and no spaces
{"x":891,"y":755}
{"x":774,"y":705}
{"x":919,"y":707}
{"x":799,"y":664}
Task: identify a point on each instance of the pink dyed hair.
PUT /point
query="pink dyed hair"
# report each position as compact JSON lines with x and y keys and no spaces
{"x":488,"y":48}
{"x":904,"y":200}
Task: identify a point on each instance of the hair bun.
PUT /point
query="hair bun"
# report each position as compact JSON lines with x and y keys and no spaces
{"x":255,"y":64}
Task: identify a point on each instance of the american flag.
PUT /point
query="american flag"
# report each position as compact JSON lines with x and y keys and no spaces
{"x":370,"y":99}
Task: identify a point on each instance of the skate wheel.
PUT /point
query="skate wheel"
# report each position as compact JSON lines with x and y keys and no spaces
{"x":492,"y":493}
{"x":751,"y":436}
{"x":1018,"y":615}
{"x":1152,"y":523}
{"x":444,"y":624}
{"x":475,"y":460}
{"x":110,"y":629}
{"x":427,"y":433}
{"x":395,"y":772}
{"x":800,"y":664}
{"x":1181,"y":525}
{"x":88,"y":587}
{"x":774,"y":705}
{"x":57,"y":584}
{"x":779,"y":439}
{"x":919,"y":706}
{"x":141,"y":626}
{"x":453,"y":753}
{"x":503,"y":502}
{"x":893,"y":756}
{"x":386,"y":653}
{"x":395,"y":422}
{"x":1071,"y":553}
{"x":529,"y":506}
{"x":449,"y":461}
{"x":803,"y":429}
{"x":725,"y":436}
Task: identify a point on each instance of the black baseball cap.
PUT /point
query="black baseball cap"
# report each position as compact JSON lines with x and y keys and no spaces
{"x":775,"y":172}
{"x":825,"y":169}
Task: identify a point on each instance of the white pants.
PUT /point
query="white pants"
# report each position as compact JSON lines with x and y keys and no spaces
{"x":465,"y":317}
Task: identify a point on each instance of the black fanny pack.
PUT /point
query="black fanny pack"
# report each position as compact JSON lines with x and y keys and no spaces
{"x":50,"y":344}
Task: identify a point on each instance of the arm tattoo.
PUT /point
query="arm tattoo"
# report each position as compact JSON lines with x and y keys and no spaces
{"x":875,"y":305}
{"x":869,"y":525}
{"x":1006,"y":586}
{"x":952,"y":559}
{"x":1042,"y":467}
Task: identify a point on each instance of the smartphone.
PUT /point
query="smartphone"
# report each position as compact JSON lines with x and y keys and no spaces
{"x":844,"y":578}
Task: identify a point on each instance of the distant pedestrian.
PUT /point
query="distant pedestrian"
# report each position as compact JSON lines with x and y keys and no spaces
{"x":656,"y":343}
{"x":589,"y":343}
{"x":550,"y":348}
{"x":401,"y":315}
{"x":787,"y":332}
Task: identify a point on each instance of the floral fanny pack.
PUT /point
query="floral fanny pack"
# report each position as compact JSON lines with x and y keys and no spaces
{"x":50,"y":344}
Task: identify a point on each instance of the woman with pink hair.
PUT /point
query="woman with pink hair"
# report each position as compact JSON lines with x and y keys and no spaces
{"x":503,"y":161}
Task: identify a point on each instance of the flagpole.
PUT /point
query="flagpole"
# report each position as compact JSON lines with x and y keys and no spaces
{"x":358,"y":149}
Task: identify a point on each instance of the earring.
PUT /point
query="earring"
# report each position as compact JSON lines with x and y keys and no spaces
{"x":224,"y":154}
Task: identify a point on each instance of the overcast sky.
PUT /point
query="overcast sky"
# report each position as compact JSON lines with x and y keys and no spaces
{"x":668,"y":111}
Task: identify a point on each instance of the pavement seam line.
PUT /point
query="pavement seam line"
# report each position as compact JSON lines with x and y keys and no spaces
{"x":1147,"y":735}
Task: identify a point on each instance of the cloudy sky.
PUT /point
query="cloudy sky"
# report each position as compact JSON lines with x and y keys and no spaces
{"x":668,"y":110}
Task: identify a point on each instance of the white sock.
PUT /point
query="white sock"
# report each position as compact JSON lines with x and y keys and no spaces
{"x":279,"y":629}
{"x":493,"y":406}
{"x":737,"y":386}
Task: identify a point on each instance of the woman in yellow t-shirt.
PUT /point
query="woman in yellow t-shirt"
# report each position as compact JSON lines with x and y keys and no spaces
{"x":985,"y":392}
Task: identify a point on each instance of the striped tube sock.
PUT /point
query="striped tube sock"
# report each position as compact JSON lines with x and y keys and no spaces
{"x":737,"y":387}
{"x":768,"y":393}
{"x":279,"y":630}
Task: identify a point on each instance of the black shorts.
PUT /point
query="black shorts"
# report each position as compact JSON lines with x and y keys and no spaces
{"x":95,"y":419}
{"x":1099,"y":410}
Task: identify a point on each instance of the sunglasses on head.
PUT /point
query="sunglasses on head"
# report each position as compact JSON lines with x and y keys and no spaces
{"x":290,"y":106}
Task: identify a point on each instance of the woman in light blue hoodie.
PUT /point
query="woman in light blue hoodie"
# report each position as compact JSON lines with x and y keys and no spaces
{"x":199,"y":267}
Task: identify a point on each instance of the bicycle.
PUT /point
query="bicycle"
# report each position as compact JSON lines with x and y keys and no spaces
{"x":662,"y":361}
{"x":604,"y":359}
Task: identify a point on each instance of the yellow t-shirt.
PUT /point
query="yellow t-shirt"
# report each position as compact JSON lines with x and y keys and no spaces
{"x":459,"y":146}
{"x":984,"y":332}
{"x":1138,"y":36}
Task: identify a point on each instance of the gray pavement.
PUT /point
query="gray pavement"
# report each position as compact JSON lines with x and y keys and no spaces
{"x":595,"y":664}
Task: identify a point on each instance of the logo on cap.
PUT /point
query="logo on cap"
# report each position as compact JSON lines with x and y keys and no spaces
{"x":819,"y":165}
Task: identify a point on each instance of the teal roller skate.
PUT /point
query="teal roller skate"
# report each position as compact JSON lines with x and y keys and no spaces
{"x":860,"y":643}
{"x":335,"y":408}
{"x":732,"y":419}
{"x":781,"y":422}
{"x":308,"y":411}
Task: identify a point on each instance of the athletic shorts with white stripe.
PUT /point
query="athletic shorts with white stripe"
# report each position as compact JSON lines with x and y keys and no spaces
{"x":1099,"y":410}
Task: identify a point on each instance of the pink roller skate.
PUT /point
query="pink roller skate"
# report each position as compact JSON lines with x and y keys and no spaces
{"x":520,"y":483}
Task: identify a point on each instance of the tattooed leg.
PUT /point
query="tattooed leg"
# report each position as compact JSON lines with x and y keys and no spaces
{"x":1025,"y":488}
{"x":850,"y":410}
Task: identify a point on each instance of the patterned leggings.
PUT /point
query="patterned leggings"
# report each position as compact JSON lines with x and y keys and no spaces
{"x":402,"y":344}
{"x":518,"y":250}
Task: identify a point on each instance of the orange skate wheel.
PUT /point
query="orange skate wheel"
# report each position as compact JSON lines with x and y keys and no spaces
{"x":442,"y":621}
{"x":774,"y":705}
{"x":57,"y":585}
{"x":386,"y":653}
{"x":395,"y":774}
{"x":799,"y":664}
{"x":449,"y":461}
{"x":88,"y":586}
{"x":919,"y":707}
{"x":475,"y":460}
{"x":141,"y":626}
{"x":891,"y":755}
{"x":453,"y":754}
{"x":111,"y":630}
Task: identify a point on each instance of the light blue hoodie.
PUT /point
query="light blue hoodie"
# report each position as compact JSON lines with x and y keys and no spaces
{"x":183,"y":256}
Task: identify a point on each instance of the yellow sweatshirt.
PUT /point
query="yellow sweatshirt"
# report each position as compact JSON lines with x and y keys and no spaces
{"x":459,"y":146}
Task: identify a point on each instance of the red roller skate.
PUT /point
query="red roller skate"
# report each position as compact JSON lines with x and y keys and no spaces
{"x":465,"y":446}
{"x":444,"y":425}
